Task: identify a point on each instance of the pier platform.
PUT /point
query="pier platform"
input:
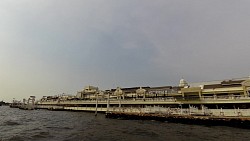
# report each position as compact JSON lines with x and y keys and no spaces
{"x":242,"y":122}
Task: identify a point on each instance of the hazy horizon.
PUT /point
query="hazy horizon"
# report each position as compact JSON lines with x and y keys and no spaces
{"x":50,"y":47}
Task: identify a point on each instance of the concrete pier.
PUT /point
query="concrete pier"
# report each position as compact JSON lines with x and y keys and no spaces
{"x":242,"y":122}
{"x":193,"y":115}
{"x":222,"y":101}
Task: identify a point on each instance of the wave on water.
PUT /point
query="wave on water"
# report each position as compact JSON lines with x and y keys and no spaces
{"x":15,"y":138}
{"x":43,"y":125}
{"x":41,"y":135}
{"x":10,"y":123}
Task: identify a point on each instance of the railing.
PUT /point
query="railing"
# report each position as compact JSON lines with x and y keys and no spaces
{"x":224,"y":97}
{"x":192,"y":111}
{"x":106,"y":100}
{"x":142,"y":100}
{"x":162,"y":110}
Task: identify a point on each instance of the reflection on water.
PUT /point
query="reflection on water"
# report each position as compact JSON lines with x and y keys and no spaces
{"x":44,"y":125}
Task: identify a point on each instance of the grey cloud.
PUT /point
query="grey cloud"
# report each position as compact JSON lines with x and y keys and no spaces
{"x":49,"y":47}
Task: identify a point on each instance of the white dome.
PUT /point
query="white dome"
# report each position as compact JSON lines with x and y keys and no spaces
{"x":183,"y":83}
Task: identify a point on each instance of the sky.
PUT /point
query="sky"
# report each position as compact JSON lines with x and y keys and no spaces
{"x":50,"y":47}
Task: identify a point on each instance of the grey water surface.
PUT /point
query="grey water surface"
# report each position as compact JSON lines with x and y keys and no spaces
{"x":44,"y":125}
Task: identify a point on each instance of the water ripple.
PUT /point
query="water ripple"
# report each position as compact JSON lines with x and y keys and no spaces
{"x":44,"y":125}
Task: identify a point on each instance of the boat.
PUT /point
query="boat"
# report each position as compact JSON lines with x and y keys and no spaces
{"x":2,"y":103}
{"x":15,"y":104}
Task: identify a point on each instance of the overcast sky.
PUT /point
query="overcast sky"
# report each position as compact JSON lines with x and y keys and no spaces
{"x":49,"y":47}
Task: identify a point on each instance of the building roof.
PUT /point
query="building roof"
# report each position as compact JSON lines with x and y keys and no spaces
{"x":160,"y":88}
{"x":214,"y":86}
{"x":131,"y":89}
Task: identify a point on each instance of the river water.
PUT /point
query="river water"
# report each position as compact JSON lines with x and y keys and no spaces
{"x":44,"y":125}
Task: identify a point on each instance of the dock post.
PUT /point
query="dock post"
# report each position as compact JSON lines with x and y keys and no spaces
{"x":221,"y":112}
{"x":120,"y":104}
{"x":96,"y":106}
{"x":189,"y":109}
{"x":239,"y":113}
{"x":203,"y":109}
{"x":181,"y":109}
{"x":23,"y":104}
{"x":108,"y":104}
